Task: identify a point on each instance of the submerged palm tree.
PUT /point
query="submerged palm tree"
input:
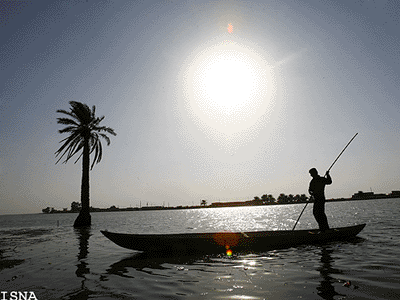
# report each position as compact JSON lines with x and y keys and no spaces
{"x":84,"y":135}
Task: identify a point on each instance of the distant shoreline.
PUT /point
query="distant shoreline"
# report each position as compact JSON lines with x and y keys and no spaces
{"x":356,"y":197}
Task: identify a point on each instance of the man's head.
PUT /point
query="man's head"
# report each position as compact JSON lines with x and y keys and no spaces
{"x":313,"y":172}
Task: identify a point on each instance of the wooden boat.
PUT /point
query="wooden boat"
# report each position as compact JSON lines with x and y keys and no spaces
{"x":219,"y":242}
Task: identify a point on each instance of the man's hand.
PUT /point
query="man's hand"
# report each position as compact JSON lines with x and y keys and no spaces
{"x":327,"y":173}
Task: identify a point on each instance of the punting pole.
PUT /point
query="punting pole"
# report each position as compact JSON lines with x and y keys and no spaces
{"x":326,"y":172}
{"x":301,"y":214}
{"x":342,"y":152}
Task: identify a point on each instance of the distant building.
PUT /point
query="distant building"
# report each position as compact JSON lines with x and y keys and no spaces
{"x":238,"y":203}
{"x":152,"y":207}
{"x":362,"y":195}
{"x":228,"y":204}
{"x":368,"y":195}
{"x":381,"y":196}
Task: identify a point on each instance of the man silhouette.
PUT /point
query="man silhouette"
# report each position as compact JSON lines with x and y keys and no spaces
{"x":317,"y":191}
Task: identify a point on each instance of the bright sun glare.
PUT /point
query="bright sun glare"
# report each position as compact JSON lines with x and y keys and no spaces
{"x":225,"y":81}
{"x":229,"y":86}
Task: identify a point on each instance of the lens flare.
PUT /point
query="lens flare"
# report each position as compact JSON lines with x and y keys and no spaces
{"x":230,"y":28}
{"x":227,"y":239}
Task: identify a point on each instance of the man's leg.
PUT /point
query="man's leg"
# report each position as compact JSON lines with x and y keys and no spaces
{"x":320,"y":216}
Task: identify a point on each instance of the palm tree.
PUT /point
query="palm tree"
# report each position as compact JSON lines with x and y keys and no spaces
{"x":271,"y":199}
{"x":84,"y":135}
{"x":264,"y":198}
{"x":283,"y":199}
{"x":303,"y":198}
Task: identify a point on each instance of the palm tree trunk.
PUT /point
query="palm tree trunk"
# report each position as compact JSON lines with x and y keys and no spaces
{"x":84,"y":218}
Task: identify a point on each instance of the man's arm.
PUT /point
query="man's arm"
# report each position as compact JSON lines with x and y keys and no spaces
{"x":328,"y":179}
{"x":311,"y":189}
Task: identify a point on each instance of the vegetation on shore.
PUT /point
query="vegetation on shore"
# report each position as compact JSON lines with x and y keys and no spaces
{"x":264,"y":200}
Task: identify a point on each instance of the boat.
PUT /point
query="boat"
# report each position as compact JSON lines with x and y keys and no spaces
{"x":218,"y":242}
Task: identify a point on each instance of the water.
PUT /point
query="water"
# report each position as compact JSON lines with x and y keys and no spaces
{"x":44,"y":254}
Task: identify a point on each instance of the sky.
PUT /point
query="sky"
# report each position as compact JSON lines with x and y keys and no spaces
{"x":210,"y":100}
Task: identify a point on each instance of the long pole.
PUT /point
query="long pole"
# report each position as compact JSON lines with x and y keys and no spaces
{"x":326,"y":172}
{"x":301,"y":214}
{"x":342,"y":152}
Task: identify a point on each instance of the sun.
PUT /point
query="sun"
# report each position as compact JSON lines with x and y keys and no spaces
{"x":227,"y":86}
{"x":225,"y":81}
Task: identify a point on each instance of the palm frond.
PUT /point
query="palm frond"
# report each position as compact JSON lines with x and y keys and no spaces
{"x":69,"y":148}
{"x":98,"y":153}
{"x":93,"y":114}
{"x":66,"y":121}
{"x":92,"y":141}
{"x":82,"y":111}
{"x":95,"y":122}
{"x":68,"y":129}
{"x":78,"y":157}
{"x":74,"y":148}
{"x":69,"y":113}
{"x":68,"y":139}
{"x":106,"y":129}
{"x":106,"y":138}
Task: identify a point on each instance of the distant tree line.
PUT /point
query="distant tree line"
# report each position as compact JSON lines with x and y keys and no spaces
{"x":267,"y":199}
{"x":75,"y":207}
{"x":283,"y":199}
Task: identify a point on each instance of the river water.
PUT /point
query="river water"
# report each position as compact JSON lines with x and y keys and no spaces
{"x":44,"y":255}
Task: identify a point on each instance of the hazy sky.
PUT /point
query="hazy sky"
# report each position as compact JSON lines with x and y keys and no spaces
{"x":214,"y":100}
